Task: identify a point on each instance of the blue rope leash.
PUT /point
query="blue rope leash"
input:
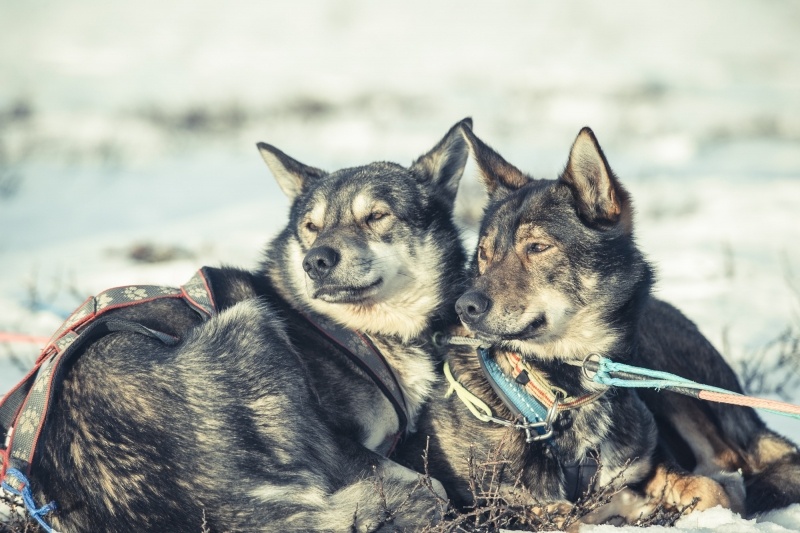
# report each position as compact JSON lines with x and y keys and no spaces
{"x":27,"y":499}
{"x":658,"y":380}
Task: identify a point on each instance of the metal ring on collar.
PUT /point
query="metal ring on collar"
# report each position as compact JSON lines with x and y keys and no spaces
{"x":439,"y":339}
{"x":585,"y":369}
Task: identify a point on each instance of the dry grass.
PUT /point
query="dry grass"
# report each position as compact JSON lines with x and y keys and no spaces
{"x":773,"y":369}
{"x":510,"y":509}
{"x":494,"y":508}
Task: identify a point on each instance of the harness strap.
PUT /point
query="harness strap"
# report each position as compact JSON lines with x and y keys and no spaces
{"x":22,"y":489}
{"x":24,"y":409}
{"x":362,"y":351}
{"x":578,"y":477}
{"x":32,"y":414}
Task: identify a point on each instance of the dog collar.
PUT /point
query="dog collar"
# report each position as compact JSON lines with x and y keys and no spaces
{"x":538,"y":416}
{"x":545,"y":393}
{"x":578,"y":476}
{"x":526,"y":392}
{"x":483,"y":412}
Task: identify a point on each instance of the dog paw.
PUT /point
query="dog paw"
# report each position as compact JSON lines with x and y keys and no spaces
{"x":625,"y":507}
{"x":702,"y":492}
{"x":732,"y":484}
{"x":554,"y":514}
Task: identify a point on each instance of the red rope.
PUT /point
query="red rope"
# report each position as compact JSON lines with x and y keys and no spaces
{"x":760,"y":403}
{"x":6,"y":336}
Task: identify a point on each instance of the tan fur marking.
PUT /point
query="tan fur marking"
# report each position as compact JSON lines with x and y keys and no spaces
{"x":676,"y":489}
{"x":580,"y":336}
{"x":486,"y":250}
{"x":317,"y":215}
{"x":411,"y":293}
{"x":361,"y":206}
{"x":531,"y":232}
{"x":770,"y":450}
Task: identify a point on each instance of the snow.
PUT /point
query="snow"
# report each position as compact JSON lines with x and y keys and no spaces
{"x":126,"y":123}
{"x":719,"y":519}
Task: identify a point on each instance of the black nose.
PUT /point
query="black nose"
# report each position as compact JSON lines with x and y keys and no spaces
{"x":320,"y":261}
{"x":472,"y":306}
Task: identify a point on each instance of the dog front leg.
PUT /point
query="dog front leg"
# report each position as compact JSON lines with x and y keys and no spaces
{"x":393,"y":498}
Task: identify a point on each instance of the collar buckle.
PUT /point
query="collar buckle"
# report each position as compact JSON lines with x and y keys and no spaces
{"x":547,"y":425}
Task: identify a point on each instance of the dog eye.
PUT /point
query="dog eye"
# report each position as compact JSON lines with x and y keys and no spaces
{"x":310,"y":226}
{"x":537,"y":248}
{"x":376,"y":216}
{"x":482,"y":253}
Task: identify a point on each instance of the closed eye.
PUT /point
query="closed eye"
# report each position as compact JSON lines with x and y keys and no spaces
{"x":376,"y":216}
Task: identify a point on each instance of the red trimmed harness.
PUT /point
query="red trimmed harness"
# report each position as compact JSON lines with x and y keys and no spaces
{"x":23,"y":410}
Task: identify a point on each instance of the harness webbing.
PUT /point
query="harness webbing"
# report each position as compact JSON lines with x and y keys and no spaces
{"x":24,"y":409}
{"x":363,"y":353}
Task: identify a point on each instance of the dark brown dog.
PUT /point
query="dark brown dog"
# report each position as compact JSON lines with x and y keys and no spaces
{"x":558,"y":276}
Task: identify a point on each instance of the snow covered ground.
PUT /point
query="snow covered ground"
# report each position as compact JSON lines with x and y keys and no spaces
{"x":124,"y":125}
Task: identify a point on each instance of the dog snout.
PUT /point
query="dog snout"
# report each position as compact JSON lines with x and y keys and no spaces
{"x":320,"y":261}
{"x":472,"y":306}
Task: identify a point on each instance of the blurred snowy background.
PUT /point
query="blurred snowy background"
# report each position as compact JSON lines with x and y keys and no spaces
{"x":128,"y":131}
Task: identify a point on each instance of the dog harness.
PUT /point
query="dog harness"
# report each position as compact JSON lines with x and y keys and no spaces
{"x":23,"y":410}
{"x":363,"y":352}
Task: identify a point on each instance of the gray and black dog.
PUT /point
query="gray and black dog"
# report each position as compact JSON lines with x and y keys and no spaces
{"x":255,"y":420}
{"x":557,"y":276}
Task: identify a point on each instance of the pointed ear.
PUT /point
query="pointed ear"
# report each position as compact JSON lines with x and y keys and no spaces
{"x":444,"y":164}
{"x":497,"y":174}
{"x":601,"y":199}
{"x":291,"y":175}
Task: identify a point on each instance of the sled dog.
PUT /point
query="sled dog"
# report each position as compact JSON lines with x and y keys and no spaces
{"x":556,"y":277}
{"x":256,"y":419}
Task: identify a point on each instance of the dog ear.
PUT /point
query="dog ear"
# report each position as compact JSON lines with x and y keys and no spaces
{"x":602,"y":201}
{"x":291,"y":175}
{"x":444,"y":164}
{"x":496,"y":173}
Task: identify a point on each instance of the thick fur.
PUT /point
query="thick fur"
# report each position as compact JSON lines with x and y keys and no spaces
{"x":254,"y":421}
{"x":708,"y":438}
{"x":558,"y":276}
